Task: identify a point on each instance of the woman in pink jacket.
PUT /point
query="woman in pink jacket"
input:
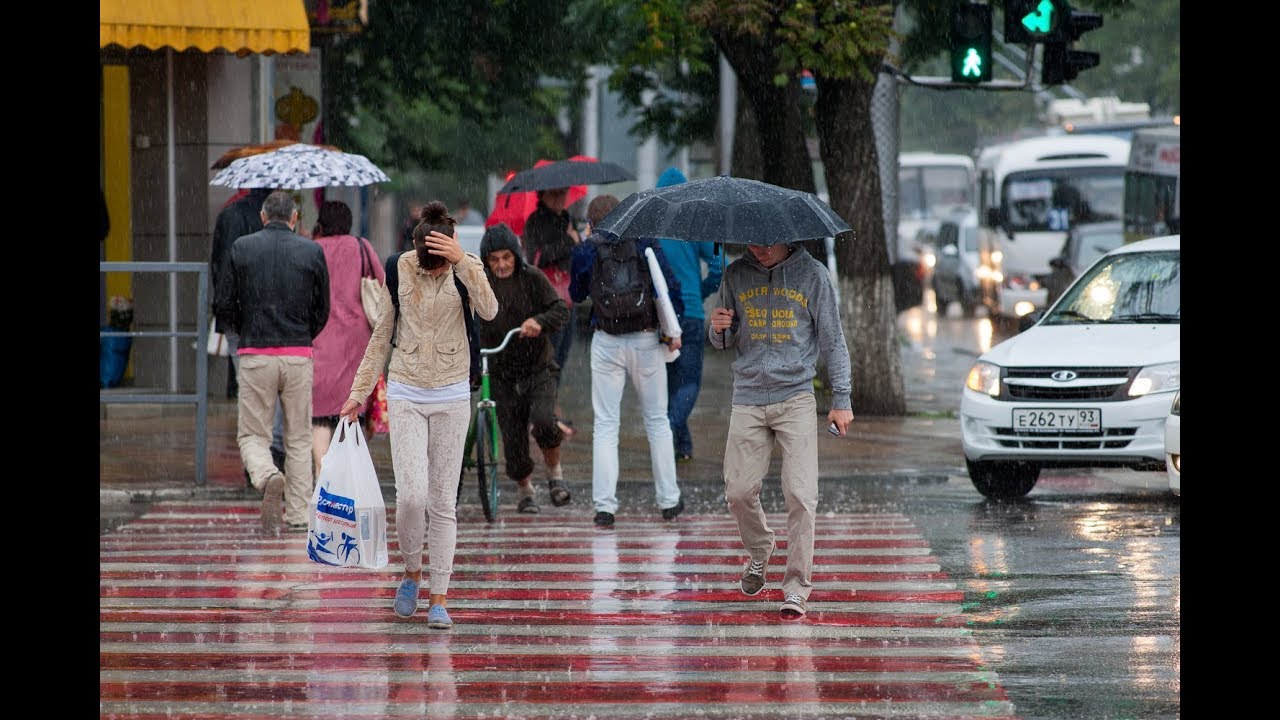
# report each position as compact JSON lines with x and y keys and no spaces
{"x":349,"y":258}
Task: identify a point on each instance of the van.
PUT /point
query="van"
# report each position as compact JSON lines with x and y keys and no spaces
{"x":1030,"y":193}
{"x":931,"y":188}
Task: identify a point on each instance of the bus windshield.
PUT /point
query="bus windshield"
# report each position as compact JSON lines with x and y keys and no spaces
{"x":1056,"y":200}
{"x":931,"y":192}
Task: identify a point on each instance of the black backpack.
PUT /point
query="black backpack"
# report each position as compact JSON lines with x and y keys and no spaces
{"x":473,"y":332}
{"x":621,"y":288}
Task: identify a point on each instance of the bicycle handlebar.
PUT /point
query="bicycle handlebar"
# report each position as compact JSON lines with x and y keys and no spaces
{"x":501,"y":346}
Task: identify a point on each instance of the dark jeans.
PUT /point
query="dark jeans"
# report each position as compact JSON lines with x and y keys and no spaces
{"x":684,"y":381}
{"x":562,"y":340}
{"x":530,"y":400}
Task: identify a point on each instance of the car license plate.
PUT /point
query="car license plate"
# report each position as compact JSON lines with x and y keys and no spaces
{"x":1057,"y":419}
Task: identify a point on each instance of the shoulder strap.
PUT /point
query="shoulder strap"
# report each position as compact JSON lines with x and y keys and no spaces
{"x":366,"y":263}
{"x":393,"y":285}
{"x":473,"y":331}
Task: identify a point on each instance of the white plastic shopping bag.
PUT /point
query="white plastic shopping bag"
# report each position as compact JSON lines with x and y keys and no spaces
{"x":348,"y":525}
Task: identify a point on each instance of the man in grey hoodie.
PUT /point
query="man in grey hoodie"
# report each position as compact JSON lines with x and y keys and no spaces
{"x":780,"y":311}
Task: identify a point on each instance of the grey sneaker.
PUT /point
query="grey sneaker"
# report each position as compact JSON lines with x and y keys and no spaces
{"x":753,"y":578}
{"x":272,"y":510}
{"x":793,"y":608}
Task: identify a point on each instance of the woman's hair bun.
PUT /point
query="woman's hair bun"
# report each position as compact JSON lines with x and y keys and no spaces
{"x":436,"y":213}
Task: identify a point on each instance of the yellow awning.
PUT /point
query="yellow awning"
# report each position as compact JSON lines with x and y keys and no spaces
{"x":239,"y":26}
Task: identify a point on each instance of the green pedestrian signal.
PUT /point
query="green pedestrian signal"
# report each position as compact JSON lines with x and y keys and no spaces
{"x":971,"y":43}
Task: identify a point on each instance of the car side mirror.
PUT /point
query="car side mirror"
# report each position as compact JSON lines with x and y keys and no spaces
{"x":1029,"y":319}
{"x":1057,"y":263}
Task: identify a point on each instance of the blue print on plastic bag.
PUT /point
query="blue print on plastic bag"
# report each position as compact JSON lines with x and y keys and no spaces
{"x":332,"y":510}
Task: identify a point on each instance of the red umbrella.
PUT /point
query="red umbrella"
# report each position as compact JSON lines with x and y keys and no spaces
{"x":514,"y":208}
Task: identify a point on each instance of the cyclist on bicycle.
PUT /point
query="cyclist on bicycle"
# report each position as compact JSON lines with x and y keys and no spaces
{"x":523,"y":377}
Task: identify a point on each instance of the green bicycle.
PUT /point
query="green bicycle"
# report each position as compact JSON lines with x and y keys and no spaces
{"x":483,"y":437}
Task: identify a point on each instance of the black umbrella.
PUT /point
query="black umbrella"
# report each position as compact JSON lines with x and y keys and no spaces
{"x":723,"y":209}
{"x":565,"y":173}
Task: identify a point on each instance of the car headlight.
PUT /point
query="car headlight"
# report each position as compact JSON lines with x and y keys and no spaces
{"x":984,"y":377}
{"x":1156,"y":378}
{"x":1176,"y":408}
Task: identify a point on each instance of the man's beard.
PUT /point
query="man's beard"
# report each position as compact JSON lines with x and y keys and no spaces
{"x":429,"y":261}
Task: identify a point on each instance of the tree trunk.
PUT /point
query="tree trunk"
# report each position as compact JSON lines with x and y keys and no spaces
{"x":848,"y":150}
{"x":776,"y":111}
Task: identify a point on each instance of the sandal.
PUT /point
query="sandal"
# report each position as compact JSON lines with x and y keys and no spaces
{"x":559,"y":493}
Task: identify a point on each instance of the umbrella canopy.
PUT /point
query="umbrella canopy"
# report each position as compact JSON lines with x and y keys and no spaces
{"x":297,"y":166}
{"x":566,"y":173}
{"x":247,"y":150}
{"x":514,"y":208}
{"x":724,"y":209}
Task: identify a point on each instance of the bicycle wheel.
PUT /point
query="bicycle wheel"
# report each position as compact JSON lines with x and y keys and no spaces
{"x":487,"y":462}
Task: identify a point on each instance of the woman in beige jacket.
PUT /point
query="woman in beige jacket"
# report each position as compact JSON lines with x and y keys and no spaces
{"x":428,"y":398}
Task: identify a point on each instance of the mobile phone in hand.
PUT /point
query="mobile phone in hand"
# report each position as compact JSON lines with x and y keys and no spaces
{"x":833,"y":429}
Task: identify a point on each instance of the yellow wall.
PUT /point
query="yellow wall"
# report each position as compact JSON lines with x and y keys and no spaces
{"x":116,"y":179}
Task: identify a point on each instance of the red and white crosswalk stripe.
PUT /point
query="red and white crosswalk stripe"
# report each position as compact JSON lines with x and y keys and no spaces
{"x":203,"y":615}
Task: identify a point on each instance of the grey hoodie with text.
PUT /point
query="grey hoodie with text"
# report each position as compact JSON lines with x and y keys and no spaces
{"x":784,"y":317}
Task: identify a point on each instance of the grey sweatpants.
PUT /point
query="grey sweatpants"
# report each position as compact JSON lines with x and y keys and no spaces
{"x":748,"y":450}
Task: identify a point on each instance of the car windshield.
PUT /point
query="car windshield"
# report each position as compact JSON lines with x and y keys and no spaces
{"x":1144,"y":287}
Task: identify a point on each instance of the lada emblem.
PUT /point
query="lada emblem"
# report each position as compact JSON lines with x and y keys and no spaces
{"x":1064,"y":375}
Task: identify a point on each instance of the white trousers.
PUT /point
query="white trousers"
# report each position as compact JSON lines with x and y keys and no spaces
{"x":614,"y":358}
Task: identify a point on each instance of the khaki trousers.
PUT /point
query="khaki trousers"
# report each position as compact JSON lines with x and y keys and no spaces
{"x":748,"y":449}
{"x":263,"y":379}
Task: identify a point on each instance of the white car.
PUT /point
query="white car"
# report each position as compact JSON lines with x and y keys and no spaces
{"x":1173,"y":444}
{"x":1089,"y":384}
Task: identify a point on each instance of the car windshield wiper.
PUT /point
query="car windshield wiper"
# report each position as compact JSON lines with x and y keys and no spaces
{"x":1146,"y":317}
{"x":1069,"y":315}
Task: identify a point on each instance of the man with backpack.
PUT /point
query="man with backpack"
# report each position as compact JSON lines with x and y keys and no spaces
{"x":626,"y":342}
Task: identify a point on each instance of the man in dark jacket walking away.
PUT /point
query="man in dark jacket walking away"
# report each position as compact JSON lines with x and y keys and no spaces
{"x":524,"y":376}
{"x":274,"y":292}
{"x":549,"y":239}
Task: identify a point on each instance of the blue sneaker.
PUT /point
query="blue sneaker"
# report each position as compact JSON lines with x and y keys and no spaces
{"x":438,"y":618}
{"x":406,"y":598}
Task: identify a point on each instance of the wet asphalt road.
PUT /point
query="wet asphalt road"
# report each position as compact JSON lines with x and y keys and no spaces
{"x":1073,"y":592}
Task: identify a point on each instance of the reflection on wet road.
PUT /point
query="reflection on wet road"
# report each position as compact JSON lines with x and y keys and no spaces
{"x":203,"y":614}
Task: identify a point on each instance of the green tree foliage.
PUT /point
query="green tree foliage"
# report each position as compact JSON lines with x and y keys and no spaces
{"x":454,"y":85}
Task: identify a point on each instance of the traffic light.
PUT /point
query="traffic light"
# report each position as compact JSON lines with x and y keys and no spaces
{"x":1032,"y":21}
{"x":970,"y":43}
{"x":1060,"y":62}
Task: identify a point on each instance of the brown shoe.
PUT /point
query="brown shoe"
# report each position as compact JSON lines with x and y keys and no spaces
{"x":273,"y":502}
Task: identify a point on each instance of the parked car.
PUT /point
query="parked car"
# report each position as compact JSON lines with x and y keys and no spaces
{"x":1173,"y":444}
{"x":958,"y":266}
{"x":1085,"y":243}
{"x":1089,"y":384}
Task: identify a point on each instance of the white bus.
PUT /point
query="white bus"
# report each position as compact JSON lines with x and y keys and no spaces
{"x":931,"y":187}
{"x":1030,"y":192}
{"x":1153,"y":184}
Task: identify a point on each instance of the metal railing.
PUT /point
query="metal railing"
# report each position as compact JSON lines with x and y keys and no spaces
{"x":201,"y":396}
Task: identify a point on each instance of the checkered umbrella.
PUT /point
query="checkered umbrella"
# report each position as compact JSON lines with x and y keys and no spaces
{"x":298,"y":166}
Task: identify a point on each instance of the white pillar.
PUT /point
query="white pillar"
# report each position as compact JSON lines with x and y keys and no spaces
{"x":728,"y":113}
{"x":647,"y":155}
